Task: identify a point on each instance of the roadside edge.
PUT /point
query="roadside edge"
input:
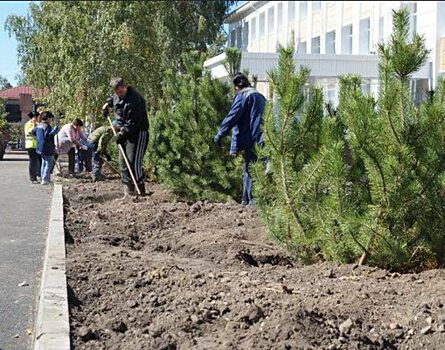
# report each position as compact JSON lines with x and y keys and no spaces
{"x":52,"y":330}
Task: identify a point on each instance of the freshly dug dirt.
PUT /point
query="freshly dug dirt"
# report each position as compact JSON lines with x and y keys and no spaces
{"x":157,"y":273}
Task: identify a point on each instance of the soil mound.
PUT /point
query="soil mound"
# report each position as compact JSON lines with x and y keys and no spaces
{"x":157,"y":273}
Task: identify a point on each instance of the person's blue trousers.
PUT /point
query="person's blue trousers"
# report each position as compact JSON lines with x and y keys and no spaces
{"x":47,"y":165}
{"x":249,"y":157}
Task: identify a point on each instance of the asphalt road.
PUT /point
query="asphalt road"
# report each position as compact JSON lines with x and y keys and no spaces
{"x":24,"y":217}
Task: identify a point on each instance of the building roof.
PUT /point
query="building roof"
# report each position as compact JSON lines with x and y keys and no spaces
{"x":15,"y":92}
{"x":244,"y":10}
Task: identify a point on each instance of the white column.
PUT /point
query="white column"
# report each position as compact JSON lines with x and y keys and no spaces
{"x":356,"y":28}
{"x":266,"y":28}
{"x":275,"y":24}
{"x":297,"y":25}
{"x":339,"y":13}
{"x":323,"y":27}
{"x":309,"y":27}
{"x":286,"y":23}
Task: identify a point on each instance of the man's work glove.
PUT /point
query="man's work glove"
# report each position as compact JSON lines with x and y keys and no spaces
{"x":119,"y":137}
{"x":106,"y":106}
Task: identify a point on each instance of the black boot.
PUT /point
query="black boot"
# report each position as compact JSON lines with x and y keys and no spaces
{"x":142,"y":188}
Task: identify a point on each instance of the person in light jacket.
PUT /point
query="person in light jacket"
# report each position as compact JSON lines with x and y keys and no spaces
{"x":31,"y":145}
{"x":45,"y":133}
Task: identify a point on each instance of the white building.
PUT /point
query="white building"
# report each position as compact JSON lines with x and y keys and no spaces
{"x":332,"y":38}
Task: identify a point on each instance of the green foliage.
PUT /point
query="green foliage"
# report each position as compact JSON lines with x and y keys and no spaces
{"x":4,"y":83}
{"x":181,"y":144}
{"x":232,"y":62}
{"x":3,"y":115}
{"x":363,"y":183}
{"x":292,"y":127}
{"x":73,"y":48}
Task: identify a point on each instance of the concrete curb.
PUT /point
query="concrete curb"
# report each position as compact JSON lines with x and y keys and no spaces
{"x":52,"y":330}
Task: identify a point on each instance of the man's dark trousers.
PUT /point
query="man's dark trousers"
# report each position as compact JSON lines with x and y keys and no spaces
{"x":134,"y":148}
{"x":97,"y":160}
{"x":34,"y":164}
{"x":249,"y":157}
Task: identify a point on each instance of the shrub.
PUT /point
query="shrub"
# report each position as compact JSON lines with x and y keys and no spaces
{"x":182,"y":152}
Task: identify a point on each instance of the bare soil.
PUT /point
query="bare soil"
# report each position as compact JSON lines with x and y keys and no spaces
{"x":160,"y":273}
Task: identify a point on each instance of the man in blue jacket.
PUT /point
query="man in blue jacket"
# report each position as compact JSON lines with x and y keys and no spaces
{"x":245,"y":119}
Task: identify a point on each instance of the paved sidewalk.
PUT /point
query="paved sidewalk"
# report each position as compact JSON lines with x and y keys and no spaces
{"x":24,"y":217}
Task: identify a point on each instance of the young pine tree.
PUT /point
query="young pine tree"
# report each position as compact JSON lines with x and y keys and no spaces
{"x":184,"y":155}
{"x":401,"y":146}
{"x":365,"y":184}
{"x":292,"y":128}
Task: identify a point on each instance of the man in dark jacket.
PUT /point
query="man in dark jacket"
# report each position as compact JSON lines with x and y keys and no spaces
{"x":132,"y":121}
{"x":245,"y":118}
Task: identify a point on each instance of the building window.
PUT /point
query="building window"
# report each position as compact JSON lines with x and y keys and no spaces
{"x":316,"y":6}
{"x":233,"y":38}
{"x":330,"y":42}
{"x":302,"y":47}
{"x":303,"y":9}
{"x":245,"y":42}
{"x":291,"y":11}
{"x":271,"y":20}
{"x":364,"y":36}
{"x":239,"y":33}
{"x":253,"y":30}
{"x":346,"y":39}
{"x":262,"y":23}
{"x":280,"y":16}
{"x":381,"y":27}
{"x":315,"y":45}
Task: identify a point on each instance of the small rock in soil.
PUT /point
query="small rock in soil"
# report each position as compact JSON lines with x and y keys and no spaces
{"x":195,"y":207}
{"x":86,"y":334}
{"x":346,"y":326}
{"x":194,"y":319}
{"x":132,"y":304}
{"x":117,"y":326}
{"x":253,"y":314}
{"x":425,"y":330}
{"x":441,"y":328}
{"x":394,"y":326}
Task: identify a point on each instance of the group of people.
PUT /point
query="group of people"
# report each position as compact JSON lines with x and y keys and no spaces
{"x":45,"y":142}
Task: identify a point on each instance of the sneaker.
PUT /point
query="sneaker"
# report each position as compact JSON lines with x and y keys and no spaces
{"x":44,"y":183}
{"x":98,"y":178}
{"x":35,"y":181}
